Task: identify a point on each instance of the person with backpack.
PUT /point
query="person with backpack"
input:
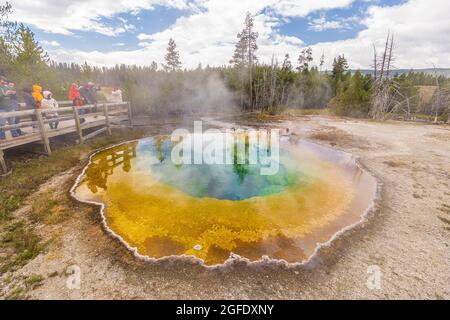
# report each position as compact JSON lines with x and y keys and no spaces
{"x":75,"y":96}
{"x":30,"y":103}
{"x":89,"y":94}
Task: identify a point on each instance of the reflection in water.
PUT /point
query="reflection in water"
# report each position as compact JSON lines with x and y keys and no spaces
{"x":159,"y":149}
{"x":104,"y":163}
{"x":210,"y":211}
{"x":241,"y":170}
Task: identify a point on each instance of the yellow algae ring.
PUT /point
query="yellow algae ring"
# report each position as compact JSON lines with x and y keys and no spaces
{"x":211,"y":211}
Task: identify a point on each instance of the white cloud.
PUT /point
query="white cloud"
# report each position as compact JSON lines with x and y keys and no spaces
{"x":50,"y":43}
{"x":322,"y":24}
{"x":66,"y":16}
{"x":301,"y":8}
{"x":144,"y":36}
{"x":208,"y":35}
{"x":421,"y":29}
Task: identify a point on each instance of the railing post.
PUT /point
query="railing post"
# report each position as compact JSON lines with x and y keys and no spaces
{"x":130,"y":113}
{"x":3,"y":162}
{"x":78,"y":124}
{"x":108,"y":126}
{"x":43,"y":133}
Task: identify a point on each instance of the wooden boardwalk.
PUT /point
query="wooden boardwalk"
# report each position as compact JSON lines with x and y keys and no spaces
{"x":36,"y":124}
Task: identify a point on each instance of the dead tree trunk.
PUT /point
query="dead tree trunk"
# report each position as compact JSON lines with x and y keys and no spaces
{"x":381,"y":100}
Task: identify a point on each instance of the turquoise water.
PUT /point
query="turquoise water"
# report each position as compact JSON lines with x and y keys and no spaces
{"x":223,"y":182}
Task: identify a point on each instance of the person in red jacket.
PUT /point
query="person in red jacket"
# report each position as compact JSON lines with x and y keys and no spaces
{"x":75,"y":96}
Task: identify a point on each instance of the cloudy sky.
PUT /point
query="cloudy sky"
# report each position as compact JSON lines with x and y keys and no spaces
{"x":105,"y":32}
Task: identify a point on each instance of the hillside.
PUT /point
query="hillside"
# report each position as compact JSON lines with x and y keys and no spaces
{"x":439,"y":71}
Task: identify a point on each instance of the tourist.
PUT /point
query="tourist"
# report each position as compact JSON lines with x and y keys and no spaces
{"x":37,"y":95}
{"x":48,"y":103}
{"x":93,"y":88}
{"x":74,"y":95}
{"x":116,"y":95}
{"x":89,"y":94}
{"x":30,"y":103}
{"x":84,"y":92}
{"x":77,"y":99}
{"x":4,"y":105}
{"x":14,"y":104}
{"x":8,"y":103}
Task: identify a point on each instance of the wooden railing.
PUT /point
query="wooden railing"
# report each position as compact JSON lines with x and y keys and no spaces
{"x":60,"y":103}
{"x":35,"y":124}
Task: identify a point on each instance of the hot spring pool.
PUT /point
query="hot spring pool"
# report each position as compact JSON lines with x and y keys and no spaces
{"x":211,"y":211}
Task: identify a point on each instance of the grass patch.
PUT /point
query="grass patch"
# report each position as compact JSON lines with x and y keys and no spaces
{"x":286,"y":114}
{"x":21,"y":289}
{"x":17,"y":294}
{"x":48,"y":208}
{"x":9,"y":204}
{"x":23,"y":244}
{"x":34,"y":281}
{"x":308,"y":112}
{"x":42,"y":207}
{"x":430,"y":118}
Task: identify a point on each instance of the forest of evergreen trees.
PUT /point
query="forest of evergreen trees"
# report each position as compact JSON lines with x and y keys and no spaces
{"x":245,"y":84}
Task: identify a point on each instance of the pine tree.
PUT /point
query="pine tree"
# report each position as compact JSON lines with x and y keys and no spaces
{"x":354,"y":100}
{"x":322,"y":62}
{"x":238,"y":60}
{"x":27,"y":50}
{"x":249,"y":38}
{"x":6,"y":30}
{"x":87,"y":72}
{"x":304,"y":60}
{"x":172,"y":57}
{"x":340,"y":67}
{"x":287,"y":65}
{"x":245,"y":52}
{"x":286,"y":77}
